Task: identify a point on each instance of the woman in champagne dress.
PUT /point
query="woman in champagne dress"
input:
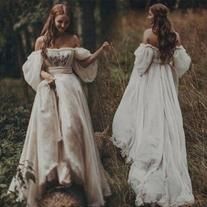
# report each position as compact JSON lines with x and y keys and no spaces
{"x":148,"y":124}
{"x":59,"y":146}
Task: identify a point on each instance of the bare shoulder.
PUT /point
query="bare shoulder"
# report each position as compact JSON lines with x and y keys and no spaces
{"x":73,"y":40}
{"x":76,"y":40}
{"x":148,"y":31}
{"x":178,"y":40}
{"x":39,"y":43}
{"x":146,"y":35}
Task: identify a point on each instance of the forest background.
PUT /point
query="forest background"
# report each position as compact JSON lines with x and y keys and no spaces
{"x":121,"y":22}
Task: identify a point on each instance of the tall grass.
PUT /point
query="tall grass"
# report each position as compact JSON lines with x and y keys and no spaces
{"x":114,"y":72}
{"x":192,"y":93}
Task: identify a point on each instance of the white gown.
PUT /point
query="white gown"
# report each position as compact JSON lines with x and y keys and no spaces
{"x":60,"y":142}
{"x":148,"y":127}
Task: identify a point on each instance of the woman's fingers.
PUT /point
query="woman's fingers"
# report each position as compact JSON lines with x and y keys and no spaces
{"x":51,"y":82}
{"x":106,"y":45}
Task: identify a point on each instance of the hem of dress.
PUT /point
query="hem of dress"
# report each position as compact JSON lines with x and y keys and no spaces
{"x":162,"y":204}
{"x":140,"y":202}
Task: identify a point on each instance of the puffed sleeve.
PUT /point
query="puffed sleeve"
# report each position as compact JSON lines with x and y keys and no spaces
{"x":143,"y":58}
{"x":181,"y":61}
{"x":86,"y":74}
{"x":32,"y":68}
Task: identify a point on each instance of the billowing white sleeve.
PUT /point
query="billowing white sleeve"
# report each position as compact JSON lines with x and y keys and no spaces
{"x":32,"y":68}
{"x":143,"y":58}
{"x":181,"y":61}
{"x":86,"y":74}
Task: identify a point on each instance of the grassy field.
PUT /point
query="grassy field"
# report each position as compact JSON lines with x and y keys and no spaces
{"x":115,"y":68}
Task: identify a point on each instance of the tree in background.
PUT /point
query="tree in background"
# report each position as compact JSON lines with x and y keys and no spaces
{"x":22,"y":20}
{"x":88,"y":23}
{"x":108,"y":13}
{"x":143,"y":4}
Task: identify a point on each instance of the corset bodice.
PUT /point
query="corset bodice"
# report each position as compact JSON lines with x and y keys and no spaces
{"x":59,"y":59}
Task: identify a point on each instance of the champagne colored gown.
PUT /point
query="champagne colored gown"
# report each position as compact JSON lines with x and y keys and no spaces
{"x":59,"y":144}
{"x":148,"y":127}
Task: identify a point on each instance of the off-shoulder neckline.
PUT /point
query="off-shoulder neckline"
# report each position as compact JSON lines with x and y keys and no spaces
{"x":149,"y":45}
{"x":152,"y":46}
{"x":55,"y":49}
{"x":62,"y":48}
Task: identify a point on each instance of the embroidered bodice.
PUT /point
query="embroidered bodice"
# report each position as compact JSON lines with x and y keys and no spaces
{"x":62,"y":57}
{"x":59,"y":61}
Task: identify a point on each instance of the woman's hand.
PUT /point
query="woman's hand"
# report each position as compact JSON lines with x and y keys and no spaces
{"x":106,"y":46}
{"x":51,"y":82}
{"x":49,"y":78}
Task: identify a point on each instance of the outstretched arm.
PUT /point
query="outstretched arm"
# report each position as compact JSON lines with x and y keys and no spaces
{"x":95,"y":55}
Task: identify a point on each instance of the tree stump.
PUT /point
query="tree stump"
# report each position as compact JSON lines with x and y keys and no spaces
{"x":73,"y":196}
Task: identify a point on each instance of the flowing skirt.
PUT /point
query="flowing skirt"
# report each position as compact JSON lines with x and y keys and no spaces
{"x":60,"y":145}
{"x":148,"y":127}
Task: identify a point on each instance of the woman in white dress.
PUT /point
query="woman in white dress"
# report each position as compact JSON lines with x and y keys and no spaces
{"x":59,"y":146}
{"x":148,"y":124}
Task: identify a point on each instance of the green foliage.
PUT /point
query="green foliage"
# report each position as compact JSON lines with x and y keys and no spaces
{"x":114,"y":72}
{"x":14,"y":116}
{"x":8,"y":200}
{"x":21,"y":21}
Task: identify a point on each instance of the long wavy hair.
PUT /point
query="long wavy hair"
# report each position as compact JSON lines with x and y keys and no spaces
{"x":162,"y":27}
{"x":49,"y":31}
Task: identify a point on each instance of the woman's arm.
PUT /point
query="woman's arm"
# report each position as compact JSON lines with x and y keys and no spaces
{"x":95,"y":55}
{"x":43,"y":74}
{"x":47,"y":76}
{"x":178,"y":40}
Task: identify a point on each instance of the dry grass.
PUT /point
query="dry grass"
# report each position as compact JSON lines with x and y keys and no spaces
{"x":113,"y":77}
